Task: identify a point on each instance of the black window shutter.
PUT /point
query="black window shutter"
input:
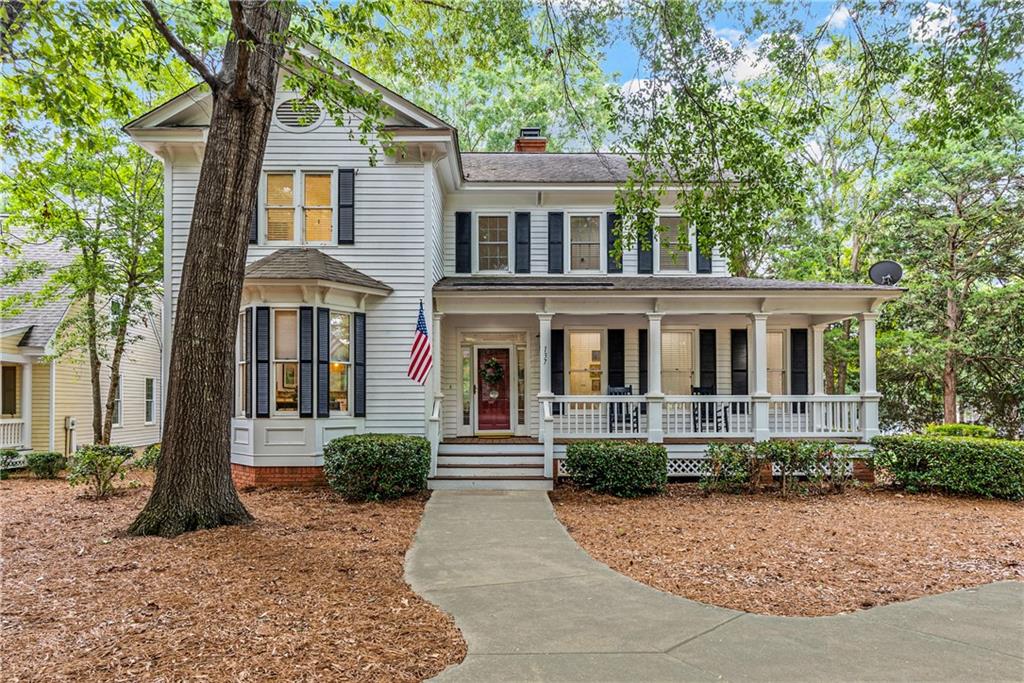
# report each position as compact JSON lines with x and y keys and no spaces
{"x":305,"y":361}
{"x":323,"y":353}
{"x":463,"y":242}
{"x":703,"y":260}
{"x":556,"y":236}
{"x":522,"y":241}
{"x":614,"y":264}
{"x":645,"y":253}
{"x":359,"y":355}
{"x":616,"y":358}
{"x":10,"y":394}
{"x":798,"y":361}
{"x":557,"y":366}
{"x":346,"y":206}
{"x":262,"y":361}
{"x":254,"y":224}
{"x":247,"y":354}
{"x":643,"y":361}
{"x":708,"y":364}
{"x":738,"y":353}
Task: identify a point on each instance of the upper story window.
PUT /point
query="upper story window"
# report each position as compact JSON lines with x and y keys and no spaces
{"x":492,"y":246}
{"x":584,"y":242}
{"x":117,"y":420}
{"x":298,"y":208}
{"x":671,"y":256}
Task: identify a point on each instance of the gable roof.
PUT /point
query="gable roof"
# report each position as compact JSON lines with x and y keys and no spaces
{"x":303,"y":263}
{"x":39,"y":322}
{"x":547,"y":167}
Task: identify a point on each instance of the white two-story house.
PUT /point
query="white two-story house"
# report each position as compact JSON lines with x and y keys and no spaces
{"x":539,"y":334}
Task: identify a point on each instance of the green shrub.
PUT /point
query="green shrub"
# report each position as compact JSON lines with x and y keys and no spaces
{"x":975,"y":431}
{"x":98,"y":466}
{"x":147,"y":460}
{"x":980,"y":466}
{"x":732,"y":467}
{"x":377,"y":466}
{"x":626,"y":469}
{"x":45,"y":464}
{"x":8,"y":457}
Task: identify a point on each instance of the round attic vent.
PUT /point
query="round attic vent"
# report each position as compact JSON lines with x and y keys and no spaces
{"x":298,"y":114}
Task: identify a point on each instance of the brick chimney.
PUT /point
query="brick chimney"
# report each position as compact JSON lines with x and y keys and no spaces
{"x":531,"y":141}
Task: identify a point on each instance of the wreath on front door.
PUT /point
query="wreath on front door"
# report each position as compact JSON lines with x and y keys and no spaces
{"x":492,"y":372}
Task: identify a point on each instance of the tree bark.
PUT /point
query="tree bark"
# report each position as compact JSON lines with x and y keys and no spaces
{"x":193,"y":488}
{"x":92,"y":340}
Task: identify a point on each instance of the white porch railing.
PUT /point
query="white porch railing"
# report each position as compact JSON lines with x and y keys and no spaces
{"x":598,"y":417}
{"x":795,"y":416}
{"x":12,"y":433}
{"x":707,"y":416}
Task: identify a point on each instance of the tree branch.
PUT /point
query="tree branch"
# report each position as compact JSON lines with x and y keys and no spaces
{"x":191,"y":59}
{"x":243,"y":43}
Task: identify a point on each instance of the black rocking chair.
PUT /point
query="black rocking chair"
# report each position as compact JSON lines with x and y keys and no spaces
{"x":623,"y":416}
{"x":709,"y":417}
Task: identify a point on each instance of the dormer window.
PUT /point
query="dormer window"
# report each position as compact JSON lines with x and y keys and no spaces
{"x":584,"y":243}
{"x":492,"y":245}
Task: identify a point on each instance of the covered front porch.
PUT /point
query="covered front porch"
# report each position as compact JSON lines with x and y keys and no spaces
{"x":15,"y":402}
{"x":681,"y":369}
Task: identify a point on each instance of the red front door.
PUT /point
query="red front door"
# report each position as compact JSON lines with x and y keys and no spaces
{"x":493,"y":407}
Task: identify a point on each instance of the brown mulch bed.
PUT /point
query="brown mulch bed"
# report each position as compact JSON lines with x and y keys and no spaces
{"x":313,"y":590}
{"x":805,"y":556}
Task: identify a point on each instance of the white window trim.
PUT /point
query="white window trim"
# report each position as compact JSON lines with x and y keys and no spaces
{"x":240,"y":362}
{"x":149,"y":401}
{"x":272,"y":388}
{"x":118,"y":418}
{"x":351,"y":360}
{"x":510,"y":247}
{"x":567,"y":355}
{"x":657,"y":249}
{"x":298,"y":218}
{"x":694,"y":333}
{"x":602,"y":243}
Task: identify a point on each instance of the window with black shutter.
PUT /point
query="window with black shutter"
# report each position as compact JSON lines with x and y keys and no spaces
{"x":612,"y":230}
{"x":522,"y":241}
{"x":645,"y":252}
{"x":708,"y":365}
{"x":616,"y":358}
{"x":323,"y":350}
{"x":262,"y":361}
{"x":798,"y":367}
{"x":254,"y":224}
{"x":703,"y":260}
{"x":738,"y":362}
{"x":306,"y":361}
{"x":359,"y":355}
{"x":557,"y":366}
{"x":642,"y":366}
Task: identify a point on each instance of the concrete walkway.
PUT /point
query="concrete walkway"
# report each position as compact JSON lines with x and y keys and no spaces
{"x":533,"y":606}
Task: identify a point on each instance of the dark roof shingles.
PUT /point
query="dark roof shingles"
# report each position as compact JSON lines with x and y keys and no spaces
{"x":521,"y":167}
{"x":298,"y":263}
{"x":42,"y":320}
{"x":672,"y":283}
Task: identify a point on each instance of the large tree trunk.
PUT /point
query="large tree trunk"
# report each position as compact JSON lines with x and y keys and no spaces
{"x":193,"y":488}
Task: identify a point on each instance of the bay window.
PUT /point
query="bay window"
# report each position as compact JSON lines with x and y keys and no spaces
{"x":585,"y":367}
{"x":584,"y":243}
{"x":340,"y":358}
{"x":492,"y":243}
{"x":242,"y":382}
{"x":677,"y":362}
{"x":286,"y":361}
{"x":298,"y":206}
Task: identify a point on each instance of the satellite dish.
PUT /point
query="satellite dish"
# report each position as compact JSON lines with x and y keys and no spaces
{"x":886,"y":273}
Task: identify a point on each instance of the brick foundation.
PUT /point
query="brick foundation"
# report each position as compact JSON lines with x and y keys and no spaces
{"x":863,"y":473}
{"x":246,"y":476}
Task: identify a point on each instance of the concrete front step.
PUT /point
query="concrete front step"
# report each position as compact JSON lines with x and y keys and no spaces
{"x":490,"y":449}
{"x":489,"y":470}
{"x":446,"y":483}
{"x":485,"y":460}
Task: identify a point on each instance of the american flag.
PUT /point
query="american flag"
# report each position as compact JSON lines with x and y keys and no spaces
{"x":420,"y":355}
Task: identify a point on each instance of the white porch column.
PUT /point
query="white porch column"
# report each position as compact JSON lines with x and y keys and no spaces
{"x":868,"y":376}
{"x":53,"y":406}
{"x":759,"y":399}
{"x":434,"y":419}
{"x":544,"y":319}
{"x":26,"y":404}
{"x":818,"y":351}
{"x":436,"y":350}
{"x":655,"y":430}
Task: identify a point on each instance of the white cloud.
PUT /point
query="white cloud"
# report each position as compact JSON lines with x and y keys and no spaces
{"x":840,"y":18}
{"x":934,"y":20}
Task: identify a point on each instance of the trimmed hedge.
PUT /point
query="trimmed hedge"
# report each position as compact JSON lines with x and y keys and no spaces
{"x":993,"y":468}
{"x":377,"y":466}
{"x":802,"y":466}
{"x":976,"y":431}
{"x":627,"y":469}
{"x":45,"y":464}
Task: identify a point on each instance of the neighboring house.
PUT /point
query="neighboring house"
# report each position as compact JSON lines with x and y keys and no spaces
{"x":48,"y":405}
{"x":539,"y":335}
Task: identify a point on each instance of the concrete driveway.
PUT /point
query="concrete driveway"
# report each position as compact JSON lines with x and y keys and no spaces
{"x":533,"y":606}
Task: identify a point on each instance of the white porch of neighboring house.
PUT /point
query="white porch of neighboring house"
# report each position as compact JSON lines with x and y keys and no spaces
{"x":15,"y":402}
{"x":683,"y":369}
